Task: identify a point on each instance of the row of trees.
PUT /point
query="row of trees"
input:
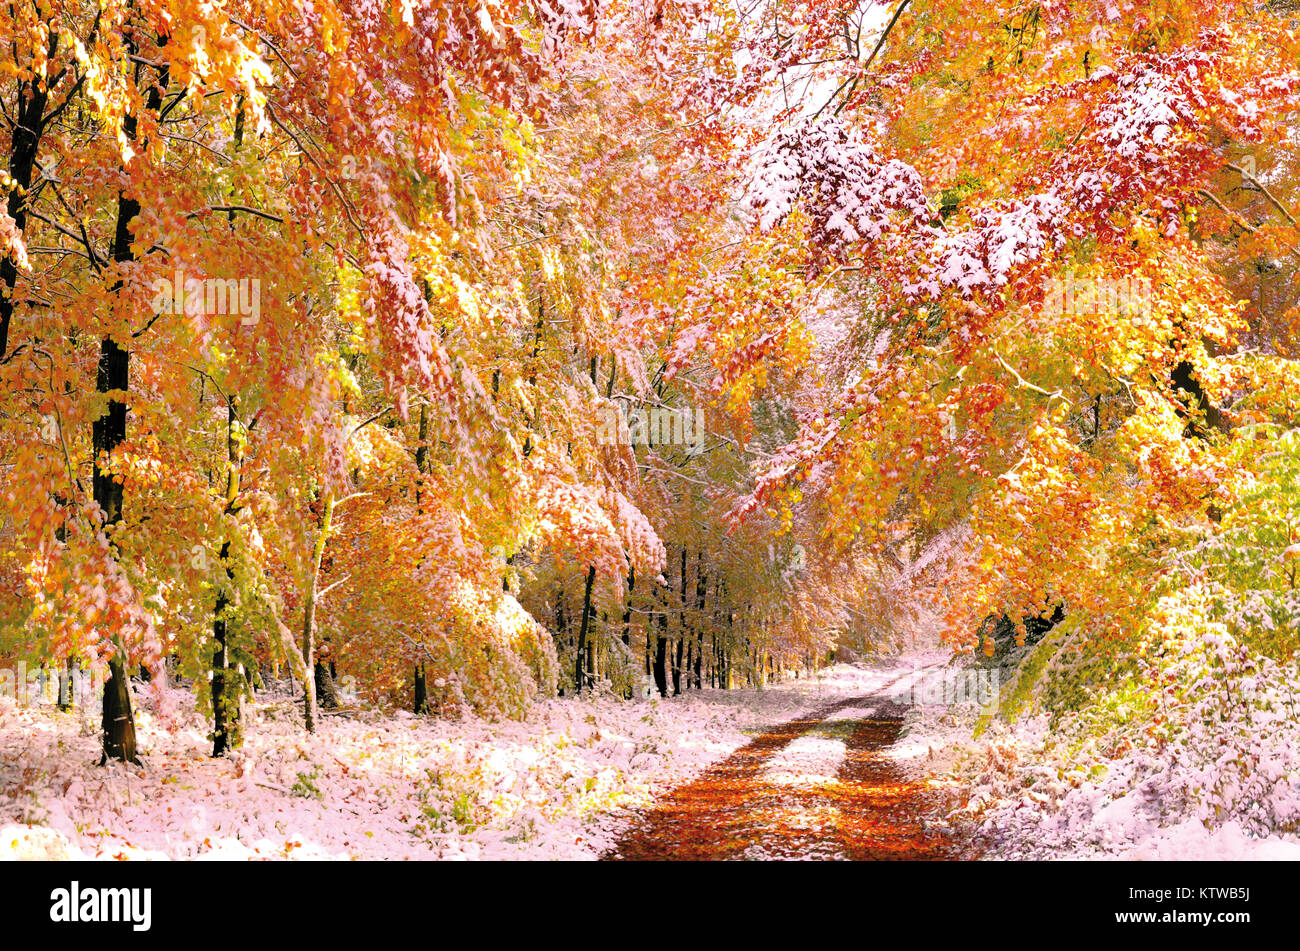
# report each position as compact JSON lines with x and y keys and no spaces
{"x":1049,"y":256}
{"x":311,"y":317}
{"x":314,"y":317}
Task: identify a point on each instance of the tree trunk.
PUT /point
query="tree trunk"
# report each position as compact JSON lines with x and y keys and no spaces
{"x":421,"y":705}
{"x":561,"y":629}
{"x":701,"y":588}
{"x":627,"y":627}
{"x":681,"y":628}
{"x":326,"y":693}
{"x":116,"y":720}
{"x":107,"y":433}
{"x":677,"y":665}
{"x":225,"y":703}
{"x":67,"y":686}
{"x":582,"y":678}
{"x":221,"y":738}
{"x":649,"y":654}
{"x":627,"y":608}
{"x":661,"y":655}
{"x":30,"y":103}
{"x":309,"y":614}
{"x":1184,"y":378}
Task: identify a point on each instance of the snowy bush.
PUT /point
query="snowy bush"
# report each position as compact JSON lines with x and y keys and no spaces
{"x":1204,"y":731}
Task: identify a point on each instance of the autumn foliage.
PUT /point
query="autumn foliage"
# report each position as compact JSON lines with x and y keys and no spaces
{"x":987,"y":310}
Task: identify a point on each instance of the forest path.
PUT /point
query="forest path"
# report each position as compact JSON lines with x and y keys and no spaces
{"x":820,"y":786}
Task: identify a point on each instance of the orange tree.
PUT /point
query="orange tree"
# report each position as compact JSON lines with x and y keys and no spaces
{"x":1018,"y":214}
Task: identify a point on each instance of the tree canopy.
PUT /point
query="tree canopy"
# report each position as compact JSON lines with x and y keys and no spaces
{"x":510,"y":346}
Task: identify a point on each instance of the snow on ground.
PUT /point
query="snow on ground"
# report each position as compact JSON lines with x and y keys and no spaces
{"x":1029,"y":798}
{"x":560,"y":784}
{"x":814,"y":758}
{"x":1190,"y":839}
{"x":808,"y":759}
{"x":564,"y":783}
{"x":936,"y":741}
{"x":1032,"y":801}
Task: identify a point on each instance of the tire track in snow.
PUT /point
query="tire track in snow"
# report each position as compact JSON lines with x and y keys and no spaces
{"x":799,"y":804}
{"x":885,"y":812}
{"x":815,"y":787}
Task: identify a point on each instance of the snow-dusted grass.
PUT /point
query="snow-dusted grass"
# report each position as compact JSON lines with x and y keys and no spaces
{"x":560,"y":784}
{"x":1209,"y":773}
{"x":1034,"y":798}
{"x":565,"y":782}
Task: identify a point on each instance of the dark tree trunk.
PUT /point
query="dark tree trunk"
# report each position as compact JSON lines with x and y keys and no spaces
{"x":30,"y":103}
{"x":228,"y":690}
{"x":116,"y":720}
{"x":701,"y":588}
{"x":649,"y":659}
{"x":221,"y":738}
{"x":326,"y":696}
{"x":421,"y":704}
{"x":225,"y":702}
{"x":627,"y":626}
{"x":112,"y":379}
{"x":107,"y":433}
{"x":109,"y":430}
{"x":67,"y":682}
{"x":582,"y":679}
{"x":682,"y":628}
{"x":677,"y":666}
{"x":1184,"y":378}
{"x":661,"y":655}
{"x":561,"y":630}
{"x":627,"y":608}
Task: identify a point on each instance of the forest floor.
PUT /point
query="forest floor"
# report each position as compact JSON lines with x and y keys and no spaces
{"x":569,"y":781}
{"x":828,"y":767}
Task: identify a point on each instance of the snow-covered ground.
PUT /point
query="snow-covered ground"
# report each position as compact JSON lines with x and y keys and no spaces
{"x":560,"y":784}
{"x":566,"y":781}
{"x":1029,"y":798}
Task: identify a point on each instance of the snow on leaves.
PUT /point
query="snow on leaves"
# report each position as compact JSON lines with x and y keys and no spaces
{"x":850,"y":191}
{"x":1000,"y":240}
{"x":1148,"y":104}
{"x":12,"y":244}
{"x":562,"y":18}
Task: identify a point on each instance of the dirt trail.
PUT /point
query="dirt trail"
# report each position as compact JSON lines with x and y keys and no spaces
{"x":869,"y":810}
